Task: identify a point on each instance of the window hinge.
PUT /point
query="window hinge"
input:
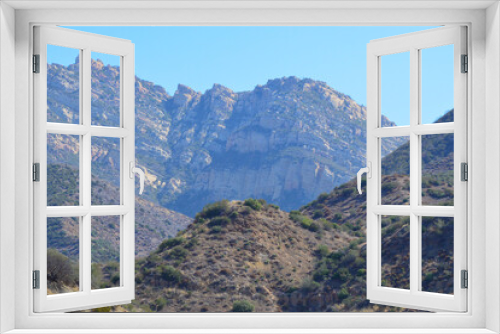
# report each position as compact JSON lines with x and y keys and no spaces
{"x":36,"y":63}
{"x":465,"y":64}
{"x":464,"y":171}
{"x":36,"y":172}
{"x":465,"y":279}
{"x":36,"y":279}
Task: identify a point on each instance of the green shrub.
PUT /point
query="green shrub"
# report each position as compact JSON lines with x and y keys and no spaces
{"x":337,"y":216}
{"x":219,"y":221}
{"x":253,"y":203}
{"x":274,"y":206}
{"x":191,"y":243}
{"x":305,"y":222}
{"x":214,"y":209}
{"x":318,"y":214}
{"x":343,"y":294}
{"x":326,"y":224}
{"x":216,"y":229}
{"x":115,"y":280}
{"x":336,"y":255}
{"x":361,"y":272}
{"x":388,"y":187}
{"x":160,"y":303}
{"x":96,"y":275}
{"x":170,"y":274}
{"x":320,"y":274}
{"x":436,"y":193}
{"x":429,"y":277}
{"x":242,"y":306}
{"x":169,"y":243}
{"x":348,"y":192}
{"x":342,"y":274}
{"x":178,"y":253}
{"x":60,"y":269}
{"x":314,"y":227}
{"x":309,"y":285}
{"x":322,"y":197}
{"x":323,"y":251}
{"x":245,"y":210}
{"x":234,"y":215}
{"x":360,"y":262}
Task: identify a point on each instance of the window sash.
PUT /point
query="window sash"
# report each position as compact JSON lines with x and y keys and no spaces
{"x":414,"y":298}
{"x":85,"y":298}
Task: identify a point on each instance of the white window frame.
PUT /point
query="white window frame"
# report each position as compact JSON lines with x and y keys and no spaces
{"x":484,"y":266}
{"x":414,"y":297}
{"x":85,"y":43}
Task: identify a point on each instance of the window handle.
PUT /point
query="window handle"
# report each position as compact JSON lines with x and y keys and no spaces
{"x":368,"y":171}
{"x":136,"y":170}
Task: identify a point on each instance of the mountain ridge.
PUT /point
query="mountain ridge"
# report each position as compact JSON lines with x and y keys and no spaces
{"x":285,"y":141}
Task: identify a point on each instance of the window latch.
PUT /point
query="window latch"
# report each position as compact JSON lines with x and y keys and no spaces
{"x":368,"y":171}
{"x":136,"y":170}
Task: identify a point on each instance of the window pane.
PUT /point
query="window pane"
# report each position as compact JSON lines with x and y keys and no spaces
{"x":63,"y":170}
{"x":105,"y":89}
{"x":395,"y":89}
{"x":395,"y":173}
{"x":63,"y":251}
{"x":437,"y":85}
{"x":437,"y":169}
{"x":63,"y":84}
{"x":437,"y":254}
{"x":395,"y":241}
{"x":105,"y":252}
{"x":105,"y":171}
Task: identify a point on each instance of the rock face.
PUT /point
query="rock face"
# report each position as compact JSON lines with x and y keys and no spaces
{"x":286,"y":141}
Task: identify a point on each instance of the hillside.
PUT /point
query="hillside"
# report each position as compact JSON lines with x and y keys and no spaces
{"x":286,"y":141}
{"x":153,"y":223}
{"x":233,"y":251}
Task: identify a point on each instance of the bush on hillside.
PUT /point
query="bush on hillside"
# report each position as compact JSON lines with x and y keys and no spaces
{"x":253,"y":203}
{"x":214,"y":209}
{"x":169,"y":243}
{"x":243,"y":306}
{"x":60,"y":269}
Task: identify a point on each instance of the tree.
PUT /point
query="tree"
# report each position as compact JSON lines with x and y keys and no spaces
{"x":60,"y":270}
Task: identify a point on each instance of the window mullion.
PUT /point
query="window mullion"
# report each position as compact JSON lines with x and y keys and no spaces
{"x":414,"y":171}
{"x":86,"y":162}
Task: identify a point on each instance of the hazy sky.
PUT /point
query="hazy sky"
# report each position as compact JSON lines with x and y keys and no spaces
{"x":243,"y":57}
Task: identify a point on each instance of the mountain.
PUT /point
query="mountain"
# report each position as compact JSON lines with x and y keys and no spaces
{"x":286,"y":141}
{"x":253,"y":254}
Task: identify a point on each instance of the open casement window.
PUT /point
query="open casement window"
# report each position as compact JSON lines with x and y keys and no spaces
{"x":69,"y":216}
{"x":416,"y":243}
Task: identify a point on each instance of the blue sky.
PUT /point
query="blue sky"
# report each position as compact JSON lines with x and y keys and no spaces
{"x":242,"y":57}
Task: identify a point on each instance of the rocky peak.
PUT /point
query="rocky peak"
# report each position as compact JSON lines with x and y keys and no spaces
{"x":220,"y":102}
{"x":184,"y":95}
{"x":286,"y":83}
{"x":97,"y":64}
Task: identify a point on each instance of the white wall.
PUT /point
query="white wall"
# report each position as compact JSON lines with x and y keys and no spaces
{"x":7,"y":160}
{"x":492,"y":164}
